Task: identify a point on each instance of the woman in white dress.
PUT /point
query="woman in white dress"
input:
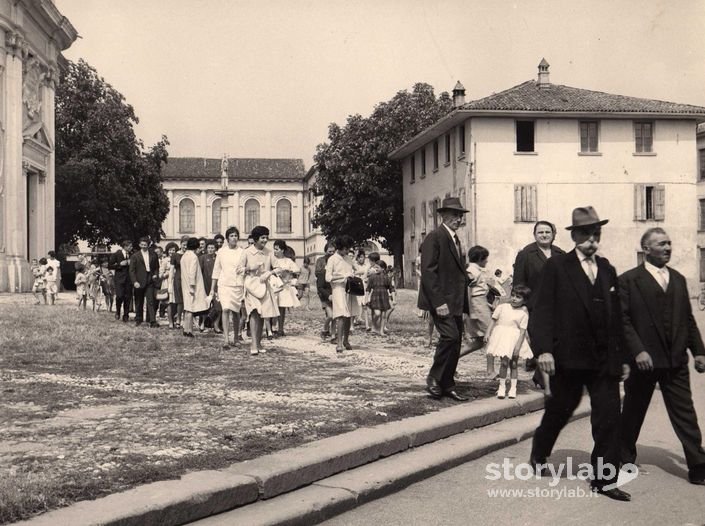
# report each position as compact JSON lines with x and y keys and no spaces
{"x":287,"y":296}
{"x":193,"y":289}
{"x":260,"y":302}
{"x":229,"y":283}
{"x":361,"y":267}
{"x":345,"y":306}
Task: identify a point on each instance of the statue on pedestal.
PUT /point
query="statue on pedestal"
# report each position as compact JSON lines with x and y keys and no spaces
{"x":224,"y":172}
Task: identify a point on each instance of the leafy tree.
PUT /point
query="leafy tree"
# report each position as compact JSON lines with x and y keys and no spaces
{"x":107,"y":186}
{"x":361,"y":187}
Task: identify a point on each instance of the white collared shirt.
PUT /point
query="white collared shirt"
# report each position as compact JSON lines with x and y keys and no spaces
{"x":661,"y":275}
{"x":585,"y":265}
{"x":145,"y":255}
{"x":453,"y":236}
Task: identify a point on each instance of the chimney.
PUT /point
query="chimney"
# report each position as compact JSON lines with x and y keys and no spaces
{"x":458,"y":95}
{"x":543,"y":82}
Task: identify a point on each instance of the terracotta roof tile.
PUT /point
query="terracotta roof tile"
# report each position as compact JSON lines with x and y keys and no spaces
{"x":204,"y":169}
{"x":557,"y":98}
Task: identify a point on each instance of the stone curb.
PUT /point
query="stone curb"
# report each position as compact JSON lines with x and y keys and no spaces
{"x":342,"y":492}
{"x":204,"y":493}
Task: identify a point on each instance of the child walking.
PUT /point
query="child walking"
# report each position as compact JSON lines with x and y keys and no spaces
{"x":81,"y":287}
{"x":506,"y":337}
{"x":38,"y":288}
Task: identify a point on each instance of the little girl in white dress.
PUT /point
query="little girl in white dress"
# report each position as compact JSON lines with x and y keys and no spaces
{"x":506,"y":337}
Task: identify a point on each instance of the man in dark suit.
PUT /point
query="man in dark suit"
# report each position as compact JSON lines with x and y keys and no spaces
{"x":576,"y":333}
{"x":144,"y":274}
{"x":659,"y":327}
{"x":444,"y":293}
{"x":119,"y":264}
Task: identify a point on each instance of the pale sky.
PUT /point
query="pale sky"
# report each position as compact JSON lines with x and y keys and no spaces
{"x":261,"y":78}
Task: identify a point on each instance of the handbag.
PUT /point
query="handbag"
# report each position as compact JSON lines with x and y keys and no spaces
{"x":162,"y":294}
{"x":254,"y":286}
{"x":354,"y":286}
{"x":275,"y":283}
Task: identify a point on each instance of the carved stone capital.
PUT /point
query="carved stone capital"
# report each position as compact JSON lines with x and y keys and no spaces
{"x":25,"y":167}
{"x":16,"y":45}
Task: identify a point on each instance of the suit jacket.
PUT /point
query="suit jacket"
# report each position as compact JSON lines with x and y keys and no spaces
{"x":443,"y":276}
{"x":138,"y":269}
{"x":529,"y":263}
{"x":643,"y":313}
{"x":122,"y":273}
{"x":560,"y":320}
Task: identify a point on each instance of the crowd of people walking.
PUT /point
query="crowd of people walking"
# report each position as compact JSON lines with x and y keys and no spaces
{"x":585,"y":326}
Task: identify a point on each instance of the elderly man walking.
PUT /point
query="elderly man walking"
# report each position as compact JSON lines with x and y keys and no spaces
{"x":659,"y":328}
{"x":576,"y":329}
{"x":444,"y":293}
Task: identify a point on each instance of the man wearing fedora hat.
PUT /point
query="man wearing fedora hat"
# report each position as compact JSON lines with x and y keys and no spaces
{"x":576,"y":333}
{"x":443,"y":292}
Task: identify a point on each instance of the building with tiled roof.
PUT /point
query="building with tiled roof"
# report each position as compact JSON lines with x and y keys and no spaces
{"x":208,"y":195}
{"x":537,"y":150}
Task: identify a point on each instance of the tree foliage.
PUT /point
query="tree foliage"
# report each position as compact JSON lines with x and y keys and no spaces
{"x":108,"y":187}
{"x":361,"y":187}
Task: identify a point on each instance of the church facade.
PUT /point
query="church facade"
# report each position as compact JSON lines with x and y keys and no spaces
{"x":33,"y":34}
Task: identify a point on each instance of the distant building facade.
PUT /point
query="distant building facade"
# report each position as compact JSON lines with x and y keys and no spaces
{"x":701,"y":201}
{"x":538,"y":150}
{"x":33,"y":33}
{"x":206,"y":196}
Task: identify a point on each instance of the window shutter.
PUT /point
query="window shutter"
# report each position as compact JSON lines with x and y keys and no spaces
{"x":659,"y":202}
{"x":533,"y":205}
{"x":639,"y":205}
{"x":517,"y":203}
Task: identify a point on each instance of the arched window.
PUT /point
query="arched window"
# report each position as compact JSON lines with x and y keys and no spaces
{"x":251,"y":215}
{"x":284,"y":216}
{"x":187,"y":216}
{"x":215,"y":211}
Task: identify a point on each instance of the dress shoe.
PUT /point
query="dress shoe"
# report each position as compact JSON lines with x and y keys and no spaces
{"x":614,"y":493}
{"x":138,"y":323}
{"x":700,"y":481}
{"x":453,"y":394}
{"x":117,"y":317}
{"x":153,"y":325}
{"x":433,"y":388}
{"x":125,"y":319}
{"x":347,"y":346}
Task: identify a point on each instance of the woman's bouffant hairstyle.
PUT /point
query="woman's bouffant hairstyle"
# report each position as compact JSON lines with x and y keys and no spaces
{"x":523,"y":291}
{"x":373,"y":256}
{"x":171,"y":245}
{"x":192,"y":243}
{"x":343,"y":242}
{"x":547,"y":223}
{"x":232,"y":229}
{"x":258,"y":232}
{"x":477,"y":253}
{"x":280,"y":243}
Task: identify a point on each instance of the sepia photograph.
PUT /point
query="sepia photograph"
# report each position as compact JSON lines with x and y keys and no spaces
{"x":422,"y":262}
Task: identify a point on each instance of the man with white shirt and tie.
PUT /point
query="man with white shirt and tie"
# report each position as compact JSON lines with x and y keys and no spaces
{"x":144,"y":273}
{"x":659,"y":328}
{"x":576,"y":334}
{"x":119,"y":264}
{"x":443,"y":292}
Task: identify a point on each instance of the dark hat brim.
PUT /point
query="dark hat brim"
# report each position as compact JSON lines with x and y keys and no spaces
{"x":596,"y":223}
{"x":452,"y":208}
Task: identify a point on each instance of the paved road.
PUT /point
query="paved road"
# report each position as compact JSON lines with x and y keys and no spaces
{"x":460,"y":496}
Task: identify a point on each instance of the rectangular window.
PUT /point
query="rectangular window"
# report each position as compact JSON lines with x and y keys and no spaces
{"x":701,"y":161}
{"x":525,"y":203}
{"x":435,"y":155}
{"x":525,"y":136}
{"x":413,"y":168}
{"x":649,"y":202}
{"x":701,"y":222}
{"x":423,"y":162}
{"x":423,"y":218}
{"x":412,"y":217}
{"x":588,"y":136}
{"x":461,"y":139}
{"x":447,"y":145}
{"x":702,"y":264}
{"x":644,"y":137}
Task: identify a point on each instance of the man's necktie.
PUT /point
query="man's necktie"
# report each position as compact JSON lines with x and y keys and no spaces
{"x":590,"y":271}
{"x":662,"y":278}
{"x":457,"y":246}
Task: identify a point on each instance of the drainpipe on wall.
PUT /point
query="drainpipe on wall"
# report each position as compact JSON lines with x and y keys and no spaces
{"x":473,"y":184}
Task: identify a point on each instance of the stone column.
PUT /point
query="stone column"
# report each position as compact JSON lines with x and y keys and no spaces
{"x":169,"y":229}
{"x":299,"y":216}
{"x":267,"y":219}
{"x":15,"y":183}
{"x":4,"y":285}
{"x":49,"y":186}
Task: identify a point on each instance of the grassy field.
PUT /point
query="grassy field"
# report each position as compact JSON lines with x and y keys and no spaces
{"x":92,"y":406}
